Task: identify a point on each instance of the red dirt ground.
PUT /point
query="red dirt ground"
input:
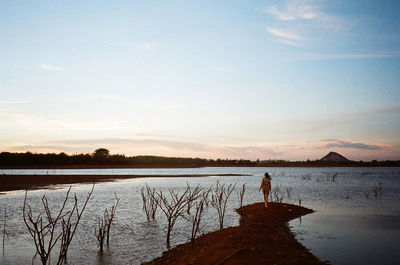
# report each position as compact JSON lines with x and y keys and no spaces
{"x":263,"y":237}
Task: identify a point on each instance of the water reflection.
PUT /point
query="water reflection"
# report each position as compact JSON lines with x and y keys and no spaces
{"x":344,"y":229}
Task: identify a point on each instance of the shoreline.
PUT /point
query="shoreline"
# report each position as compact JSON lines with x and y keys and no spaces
{"x":263,"y":237}
{"x":31,"y":182}
{"x":190,"y":166}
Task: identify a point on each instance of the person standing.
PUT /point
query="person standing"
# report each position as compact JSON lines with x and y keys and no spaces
{"x":266,"y":187}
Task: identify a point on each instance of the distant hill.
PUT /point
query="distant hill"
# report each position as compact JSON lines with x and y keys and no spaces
{"x":334,"y":157}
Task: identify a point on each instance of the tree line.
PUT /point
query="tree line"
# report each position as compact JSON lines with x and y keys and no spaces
{"x":101,"y":157}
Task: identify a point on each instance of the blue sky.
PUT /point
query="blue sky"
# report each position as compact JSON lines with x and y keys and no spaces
{"x":229,"y":79}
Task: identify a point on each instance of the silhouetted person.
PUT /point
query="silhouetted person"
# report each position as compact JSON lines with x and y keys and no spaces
{"x":266,"y":187}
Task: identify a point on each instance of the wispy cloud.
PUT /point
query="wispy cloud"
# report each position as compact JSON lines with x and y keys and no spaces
{"x":283,"y":34}
{"x":293,"y":150}
{"x":302,"y":21}
{"x":331,"y":143}
{"x":152,"y":147}
{"x":277,"y":14}
{"x":51,"y":67}
{"x":295,"y":10}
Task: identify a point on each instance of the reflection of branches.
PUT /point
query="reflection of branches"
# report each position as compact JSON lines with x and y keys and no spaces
{"x":240,"y":195}
{"x":149,"y":202}
{"x":219,"y":198}
{"x":43,"y":227}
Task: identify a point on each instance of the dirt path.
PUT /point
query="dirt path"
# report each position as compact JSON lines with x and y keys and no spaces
{"x":263,"y":237}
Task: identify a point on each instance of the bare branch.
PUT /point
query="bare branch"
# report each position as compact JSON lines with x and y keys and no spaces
{"x":4,"y":226}
{"x":278,"y":194}
{"x":240,"y":195}
{"x":101,"y":232}
{"x":149,"y":202}
{"x":173,"y":206}
{"x":109,"y":218}
{"x":219,"y":199}
{"x":196,"y":218}
{"x":43,"y":228}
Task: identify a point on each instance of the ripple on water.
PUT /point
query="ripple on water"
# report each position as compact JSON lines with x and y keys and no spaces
{"x":342,"y":224}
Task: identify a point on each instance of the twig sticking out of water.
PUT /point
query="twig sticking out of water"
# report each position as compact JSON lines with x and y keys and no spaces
{"x":173,"y":206}
{"x":240,"y":195}
{"x":101,"y":232}
{"x":278,"y":194}
{"x":104,"y":225}
{"x":219,"y":199}
{"x":190,"y":198}
{"x":306,"y":176}
{"x":196,"y":218}
{"x":334,"y":177}
{"x":378,"y":189}
{"x":149,"y":202}
{"x":289,"y":192}
{"x":110,"y":217}
{"x":43,"y":228}
{"x":4,"y":226}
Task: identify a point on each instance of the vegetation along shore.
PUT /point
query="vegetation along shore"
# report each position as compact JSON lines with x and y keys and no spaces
{"x":101,"y":158}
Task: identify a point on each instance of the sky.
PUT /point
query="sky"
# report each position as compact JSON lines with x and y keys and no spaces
{"x":232,"y":79}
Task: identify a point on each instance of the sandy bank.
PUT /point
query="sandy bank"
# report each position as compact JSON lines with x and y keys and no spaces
{"x":20,"y":182}
{"x":263,"y":237}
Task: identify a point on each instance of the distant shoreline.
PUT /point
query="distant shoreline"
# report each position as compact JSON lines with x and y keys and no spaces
{"x":50,"y":167}
{"x":31,"y":182}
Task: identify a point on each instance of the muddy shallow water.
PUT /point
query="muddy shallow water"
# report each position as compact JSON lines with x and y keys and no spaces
{"x":348,"y":227}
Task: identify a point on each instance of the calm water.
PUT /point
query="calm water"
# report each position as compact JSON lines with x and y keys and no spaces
{"x":347,"y":228}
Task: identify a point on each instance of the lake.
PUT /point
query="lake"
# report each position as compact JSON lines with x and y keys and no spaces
{"x":357,"y":218}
